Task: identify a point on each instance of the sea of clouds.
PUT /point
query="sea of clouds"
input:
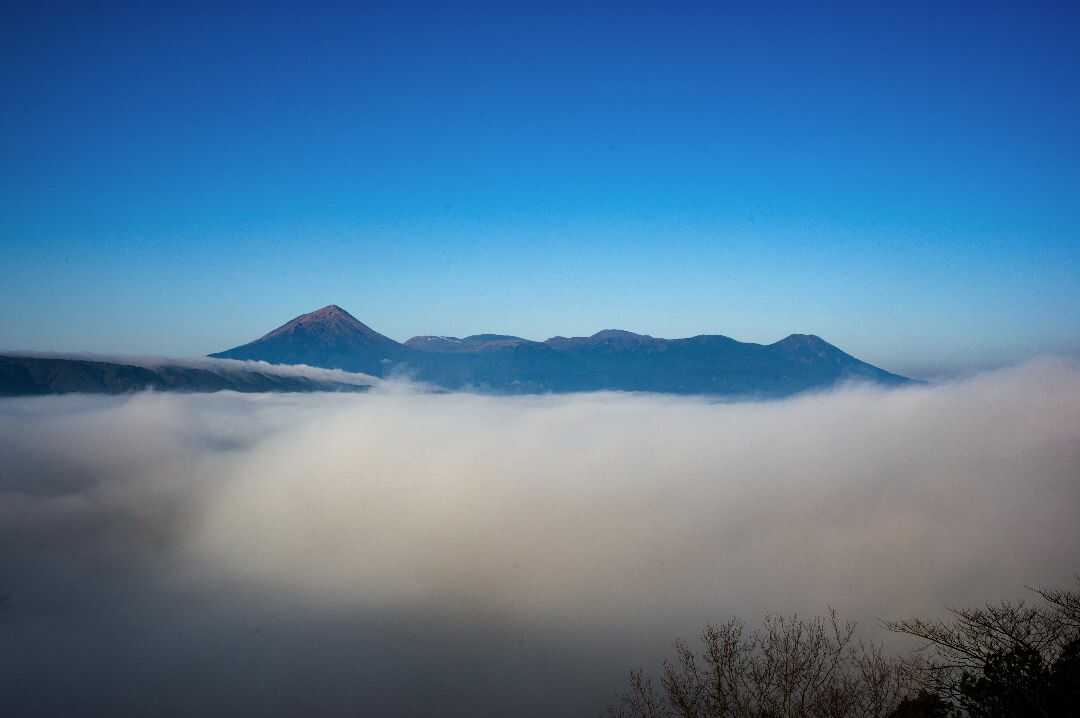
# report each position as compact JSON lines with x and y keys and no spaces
{"x":409,"y":553}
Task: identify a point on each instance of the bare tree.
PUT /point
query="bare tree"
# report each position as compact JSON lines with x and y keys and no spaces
{"x":1008,"y":658}
{"x":788,"y":667}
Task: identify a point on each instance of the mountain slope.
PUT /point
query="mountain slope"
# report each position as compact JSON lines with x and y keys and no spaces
{"x":329,"y":337}
{"x":36,"y":376}
{"x":612,"y":359}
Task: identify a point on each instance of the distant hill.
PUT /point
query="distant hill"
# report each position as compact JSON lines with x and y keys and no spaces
{"x":608,"y":360}
{"x":36,"y":375}
{"x":475,"y":343}
{"x":329,"y":337}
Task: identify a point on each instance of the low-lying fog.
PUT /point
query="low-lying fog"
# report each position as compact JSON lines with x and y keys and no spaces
{"x":401,"y":553}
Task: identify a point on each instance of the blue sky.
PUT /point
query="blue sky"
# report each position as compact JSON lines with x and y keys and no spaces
{"x":905,"y":183}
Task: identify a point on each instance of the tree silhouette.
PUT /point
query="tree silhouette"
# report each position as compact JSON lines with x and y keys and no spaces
{"x":788,"y":667}
{"x":999,"y":661}
{"x":1005,"y":659}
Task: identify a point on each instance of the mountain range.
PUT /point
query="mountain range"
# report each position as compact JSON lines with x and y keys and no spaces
{"x":608,"y":360}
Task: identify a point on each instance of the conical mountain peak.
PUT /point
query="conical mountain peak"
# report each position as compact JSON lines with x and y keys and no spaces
{"x":328,"y":337}
{"x":331,"y":319}
{"x":331,"y":310}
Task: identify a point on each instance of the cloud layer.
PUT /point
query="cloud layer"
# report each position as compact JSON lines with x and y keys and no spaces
{"x":413,"y":553}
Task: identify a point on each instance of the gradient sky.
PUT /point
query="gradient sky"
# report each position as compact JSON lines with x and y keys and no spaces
{"x":905,"y":183}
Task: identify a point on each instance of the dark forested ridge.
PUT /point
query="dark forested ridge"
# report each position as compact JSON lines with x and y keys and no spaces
{"x":608,"y":360}
{"x":32,"y":376}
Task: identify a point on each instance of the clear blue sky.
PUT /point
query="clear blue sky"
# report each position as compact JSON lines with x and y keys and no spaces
{"x":905,"y":183}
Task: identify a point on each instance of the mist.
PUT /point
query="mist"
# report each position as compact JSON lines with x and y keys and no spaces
{"x":403,"y":553}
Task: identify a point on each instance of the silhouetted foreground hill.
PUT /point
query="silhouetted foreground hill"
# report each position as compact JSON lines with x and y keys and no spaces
{"x":608,"y":360}
{"x":29,"y":376}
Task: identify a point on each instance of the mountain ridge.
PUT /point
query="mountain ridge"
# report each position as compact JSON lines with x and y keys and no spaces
{"x":610,"y":359}
{"x":35,"y":375}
